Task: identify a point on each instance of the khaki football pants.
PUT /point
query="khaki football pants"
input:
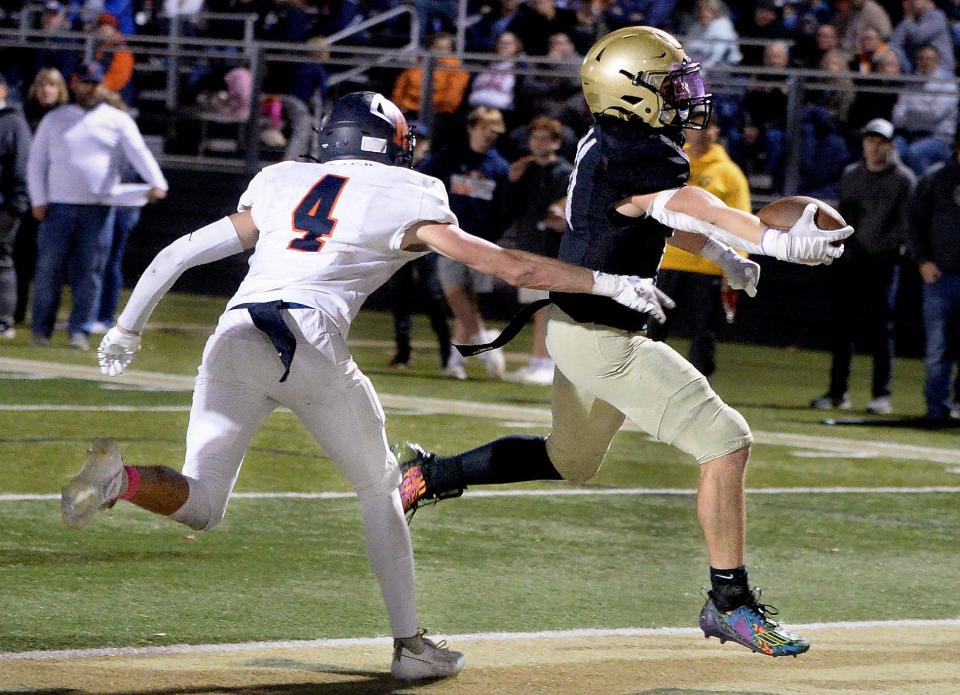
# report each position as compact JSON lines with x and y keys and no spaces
{"x":605,"y":375}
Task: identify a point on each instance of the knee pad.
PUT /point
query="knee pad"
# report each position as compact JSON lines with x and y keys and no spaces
{"x":697,"y":422}
{"x":203,"y":509}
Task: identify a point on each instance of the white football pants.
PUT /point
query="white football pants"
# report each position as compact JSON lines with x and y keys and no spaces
{"x":238,"y":386}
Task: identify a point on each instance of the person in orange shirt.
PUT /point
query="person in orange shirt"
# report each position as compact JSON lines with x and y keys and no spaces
{"x":112,"y":53}
{"x":695,"y":283}
{"x":869,"y":47}
{"x":449,"y":82}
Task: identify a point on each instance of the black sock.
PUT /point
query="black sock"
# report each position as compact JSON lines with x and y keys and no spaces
{"x":730,"y":588}
{"x":512,"y":459}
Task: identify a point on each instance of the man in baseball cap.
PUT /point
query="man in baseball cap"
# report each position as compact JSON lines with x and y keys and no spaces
{"x":878,"y":126}
{"x":89,"y":71}
{"x":874,"y":197}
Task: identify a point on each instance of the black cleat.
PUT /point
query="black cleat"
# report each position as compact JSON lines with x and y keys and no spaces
{"x":415,"y":488}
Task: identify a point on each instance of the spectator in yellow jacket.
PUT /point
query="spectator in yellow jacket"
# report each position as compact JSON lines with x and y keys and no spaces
{"x":695,"y":283}
{"x":449,"y":82}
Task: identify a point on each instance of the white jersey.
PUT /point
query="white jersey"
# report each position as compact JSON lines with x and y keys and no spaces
{"x":330,"y":233}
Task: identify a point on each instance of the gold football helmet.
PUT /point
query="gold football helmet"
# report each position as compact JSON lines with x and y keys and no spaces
{"x":642,"y":72}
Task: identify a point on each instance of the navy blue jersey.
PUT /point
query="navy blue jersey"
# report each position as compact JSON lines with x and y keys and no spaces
{"x":616,"y":159}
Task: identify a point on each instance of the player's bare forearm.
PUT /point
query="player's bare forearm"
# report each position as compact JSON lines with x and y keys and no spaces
{"x":687,"y":241}
{"x":542,"y":273}
{"x":519,"y":268}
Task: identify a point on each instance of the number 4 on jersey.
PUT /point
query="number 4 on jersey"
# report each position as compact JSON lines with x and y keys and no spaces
{"x":312,"y":217}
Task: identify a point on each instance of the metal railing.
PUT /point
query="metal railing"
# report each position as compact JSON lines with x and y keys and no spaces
{"x":346,"y":62}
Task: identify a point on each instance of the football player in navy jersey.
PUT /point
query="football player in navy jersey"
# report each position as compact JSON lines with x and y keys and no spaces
{"x":626,"y":198}
{"x":324,"y":236}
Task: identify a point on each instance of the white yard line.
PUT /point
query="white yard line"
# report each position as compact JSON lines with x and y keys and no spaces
{"x":446,"y":406}
{"x":469,"y":637}
{"x":63,"y":407}
{"x":568,"y":492}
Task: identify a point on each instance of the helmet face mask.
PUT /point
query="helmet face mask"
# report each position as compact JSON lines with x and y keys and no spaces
{"x":643,"y":73}
{"x":366,"y":125}
{"x":685,"y":99}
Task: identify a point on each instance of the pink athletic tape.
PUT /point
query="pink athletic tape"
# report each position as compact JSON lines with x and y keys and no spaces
{"x":133,"y":483}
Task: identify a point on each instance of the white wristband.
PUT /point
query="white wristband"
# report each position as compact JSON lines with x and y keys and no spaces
{"x":713,"y":250}
{"x":773,"y":243}
{"x":604,"y":284}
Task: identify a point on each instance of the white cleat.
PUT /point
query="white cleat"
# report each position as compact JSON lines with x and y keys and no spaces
{"x":494,"y":361}
{"x":416,"y":658}
{"x":454,"y":367}
{"x":98,"y":484}
{"x":880,"y":405}
{"x":540,"y":376}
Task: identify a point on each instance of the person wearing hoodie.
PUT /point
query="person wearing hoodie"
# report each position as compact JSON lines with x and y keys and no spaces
{"x":692,"y":281}
{"x":935,"y":246}
{"x":115,"y":57}
{"x":875,"y":194}
{"x":14,"y":148}
{"x":449,"y":81}
{"x":925,"y":116}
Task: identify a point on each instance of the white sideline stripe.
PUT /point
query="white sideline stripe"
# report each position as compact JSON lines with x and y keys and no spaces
{"x":470,"y":637}
{"x":574,"y":492}
{"x":60,"y":408}
{"x":445,"y":406}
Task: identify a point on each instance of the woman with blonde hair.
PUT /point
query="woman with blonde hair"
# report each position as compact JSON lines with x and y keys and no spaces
{"x":47,"y":92}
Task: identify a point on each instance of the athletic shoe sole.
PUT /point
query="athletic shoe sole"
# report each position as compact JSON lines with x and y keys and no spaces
{"x":84,"y":496}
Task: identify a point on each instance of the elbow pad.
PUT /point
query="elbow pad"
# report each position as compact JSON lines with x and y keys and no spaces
{"x":686,"y":223}
{"x":207,"y":244}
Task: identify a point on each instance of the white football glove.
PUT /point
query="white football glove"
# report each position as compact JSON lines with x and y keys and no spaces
{"x":117,"y":351}
{"x":805,"y":242}
{"x":741,"y":273}
{"x":639,"y":294}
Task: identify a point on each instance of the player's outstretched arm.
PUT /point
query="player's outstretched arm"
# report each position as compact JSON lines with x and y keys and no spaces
{"x":522,"y":269}
{"x":223,"y":238}
{"x":695,"y":210}
{"x":741,"y":273}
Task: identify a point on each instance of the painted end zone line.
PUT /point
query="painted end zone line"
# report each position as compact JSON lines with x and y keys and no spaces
{"x":575,"y":492}
{"x":475,"y":637}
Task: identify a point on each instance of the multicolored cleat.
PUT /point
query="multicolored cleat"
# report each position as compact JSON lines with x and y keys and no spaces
{"x":415,"y":463}
{"x":751,"y":626}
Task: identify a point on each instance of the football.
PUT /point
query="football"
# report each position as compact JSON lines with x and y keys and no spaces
{"x":781,"y":214}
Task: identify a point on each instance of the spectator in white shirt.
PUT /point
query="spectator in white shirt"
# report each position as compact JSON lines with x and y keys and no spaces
{"x":74,"y":166}
{"x":925,"y":116}
{"x":712,"y":39}
{"x":496,"y":86}
{"x":922,"y":24}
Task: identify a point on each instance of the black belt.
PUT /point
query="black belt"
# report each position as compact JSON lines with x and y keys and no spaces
{"x":508,"y":333}
{"x":266,"y":317}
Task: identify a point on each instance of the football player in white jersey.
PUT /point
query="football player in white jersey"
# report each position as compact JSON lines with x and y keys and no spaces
{"x":325,"y":236}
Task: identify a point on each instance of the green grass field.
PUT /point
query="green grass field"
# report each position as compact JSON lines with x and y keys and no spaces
{"x":294,"y":568}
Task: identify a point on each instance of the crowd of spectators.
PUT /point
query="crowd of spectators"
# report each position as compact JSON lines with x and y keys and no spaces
{"x":859,"y":40}
{"x":795,"y":81}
